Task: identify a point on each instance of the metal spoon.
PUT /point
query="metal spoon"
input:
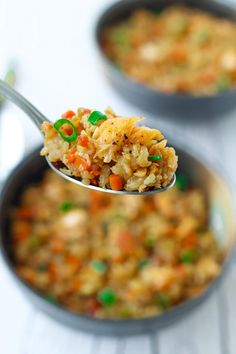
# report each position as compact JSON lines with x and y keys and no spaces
{"x":38,"y":118}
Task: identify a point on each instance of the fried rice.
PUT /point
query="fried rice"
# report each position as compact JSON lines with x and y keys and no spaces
{"x":109,"y":151}
{"x":179,"y":49}
{"x":121,"y":256}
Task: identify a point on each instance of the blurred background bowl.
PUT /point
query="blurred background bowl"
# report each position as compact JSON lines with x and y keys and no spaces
{"x":222,"y":216}
{"x":176,"y":105}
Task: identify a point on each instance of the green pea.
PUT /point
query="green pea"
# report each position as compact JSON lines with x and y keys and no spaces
{"x":107,"y":297}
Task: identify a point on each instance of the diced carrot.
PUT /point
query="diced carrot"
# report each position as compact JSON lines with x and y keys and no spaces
{"x":68,"y":114}
{"x":125,"y":242}
{"x":116,"y":182}
{"x":76,"y":284}
{"x":71,"y":155}
{"x":207,"y":78}
{"x":23,"y":231}
{"x":57,"y":246}
{"x":83,"y":141}
{"x":190,"y":241}
{"x":80,"y":162}
{"x":52,"y":269}
{"x":96,"y":173}
{"x":68,"y":130}
{"x":26,"y":212}
{"x":73,"y":261}
{"x":86,"y":110}
{"x":178,"y":54}
{"x":92,"y":306}
{"x":27,"y":274}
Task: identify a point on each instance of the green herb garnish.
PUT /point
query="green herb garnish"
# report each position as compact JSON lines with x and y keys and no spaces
{"x":68,"y":138}
{"x":96,"y":116}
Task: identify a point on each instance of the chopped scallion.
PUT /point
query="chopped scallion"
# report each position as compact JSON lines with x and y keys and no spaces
{"x":181,"y":182}
{"x":51,"y":298}
{"x":155,"y":158}
{"x":66,"y":206}
{"x":96,"y":116}
{"x":68,"y":138}
{"x":99,"y":266}
{"x":189,"y":256}
{"x":163,"y":301}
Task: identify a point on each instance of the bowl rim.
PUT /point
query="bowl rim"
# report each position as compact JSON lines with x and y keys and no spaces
{"x":99,"y":26}
{"x":172,"y":313}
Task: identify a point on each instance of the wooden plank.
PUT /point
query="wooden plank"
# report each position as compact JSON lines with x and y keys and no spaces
{"x":15,"y":314}
{"x":227,"y":306}
{"x":108,"y":346}
{"x":138,"y":344}
{"x":198,"y":333}
{"x":48,"y":336}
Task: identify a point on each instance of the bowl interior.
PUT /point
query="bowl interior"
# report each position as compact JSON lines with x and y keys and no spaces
{"x":219,"y":198}
{"x":123,"y":9}
{"x":222,"y":220}
{"x":175,"y":105}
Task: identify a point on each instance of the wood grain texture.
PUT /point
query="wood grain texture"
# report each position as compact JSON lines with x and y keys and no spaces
{"x":198,"y":333}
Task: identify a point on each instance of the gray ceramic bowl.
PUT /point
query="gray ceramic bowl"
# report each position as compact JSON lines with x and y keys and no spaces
{"x":30,"y":170}
{"x":171,"y":105}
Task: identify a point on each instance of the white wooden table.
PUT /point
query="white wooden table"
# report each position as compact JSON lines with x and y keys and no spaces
{"x":51,"y":42}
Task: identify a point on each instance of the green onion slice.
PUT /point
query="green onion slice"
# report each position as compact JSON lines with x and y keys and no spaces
{"x":189,"y":256}
{"x":66,"y":206}
{"x":60,"y":123}
{"x":99,"y":266}
{"x":51,"y":298}
{"x":181,"y":182}
{"x":42,"y":267}
{"x":163,"y":301}
{"x":143,"y":263}
{"x":96,"y":116}
{"x":155,"y":158}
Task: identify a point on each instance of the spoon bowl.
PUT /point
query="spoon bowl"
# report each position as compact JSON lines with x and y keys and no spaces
{"x":99,"y":189}
{"x":38,"y":118}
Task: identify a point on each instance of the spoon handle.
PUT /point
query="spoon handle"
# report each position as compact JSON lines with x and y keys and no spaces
{"x":13,"y":96}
